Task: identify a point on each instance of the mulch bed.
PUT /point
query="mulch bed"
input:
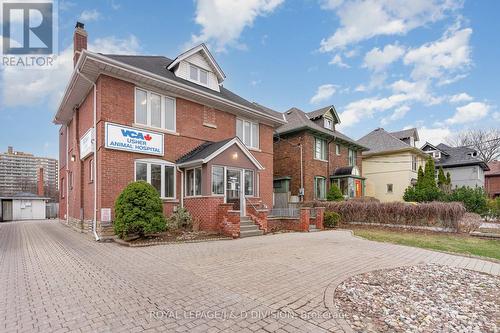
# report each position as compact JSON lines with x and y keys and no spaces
{"x":173,"y":236}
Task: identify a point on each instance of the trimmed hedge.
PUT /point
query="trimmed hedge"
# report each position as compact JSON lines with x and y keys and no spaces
{"x":433,"y":214}
{"x":331,"y":219}
{"x":139,"y":211}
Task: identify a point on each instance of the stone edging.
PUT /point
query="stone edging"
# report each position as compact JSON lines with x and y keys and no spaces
{"x":153,"y":243}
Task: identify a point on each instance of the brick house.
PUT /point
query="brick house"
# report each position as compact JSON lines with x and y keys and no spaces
{"x":310,"y":154}
{"x":492,"y":179}
{"x":168,"y":122}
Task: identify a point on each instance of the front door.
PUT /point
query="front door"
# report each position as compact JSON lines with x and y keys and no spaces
{"x":7,"y":210}
{"x":357,"y":184}
{"x":234,"y":189}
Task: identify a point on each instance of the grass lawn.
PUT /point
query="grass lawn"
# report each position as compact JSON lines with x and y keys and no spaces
{"x":434,"y":241}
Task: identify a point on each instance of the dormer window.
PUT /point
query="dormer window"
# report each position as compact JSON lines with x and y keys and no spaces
{"x":198,"y":75}
{"x":328,"y":123}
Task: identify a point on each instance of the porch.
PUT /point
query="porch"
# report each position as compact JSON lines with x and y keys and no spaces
{"x":349,"y":181}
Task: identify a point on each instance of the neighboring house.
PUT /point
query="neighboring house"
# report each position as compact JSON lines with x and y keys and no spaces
{"x":492,"y":179}
{"x":22,"y":206}
{"x":169,"y":122}
{"x":391,"y":164}
{"x":465,"y":168}
{"x":310,"y":154}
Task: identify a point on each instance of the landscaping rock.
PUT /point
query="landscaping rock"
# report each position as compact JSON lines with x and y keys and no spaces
{"x":423,"y":298}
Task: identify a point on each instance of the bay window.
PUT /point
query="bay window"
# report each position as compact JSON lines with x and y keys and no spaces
{"x":193,"y":182}
{"x":217,"y":180}
{"x":160,"y":174}
{"x":248,"y":132}
{"x":154,"y":110}
{"x":320,"y":149}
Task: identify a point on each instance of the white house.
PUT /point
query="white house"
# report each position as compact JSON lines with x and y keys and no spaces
{"x":22,"y":206}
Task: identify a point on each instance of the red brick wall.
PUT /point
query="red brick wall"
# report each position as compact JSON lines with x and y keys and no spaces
{"x":492,"y":185}
{"x":115,"y":169}
{"x":287,"y":162}
{"x":204,"y":209}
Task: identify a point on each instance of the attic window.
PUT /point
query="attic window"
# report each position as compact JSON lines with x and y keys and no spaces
{"x":198,"y":75}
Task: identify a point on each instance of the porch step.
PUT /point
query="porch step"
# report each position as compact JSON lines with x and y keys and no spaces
{"x":312,"y":228}
{"x":251,"y":233}
{"x":248,"y":227}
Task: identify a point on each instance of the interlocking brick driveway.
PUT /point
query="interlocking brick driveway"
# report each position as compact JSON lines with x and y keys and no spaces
{"x":54,"y":279}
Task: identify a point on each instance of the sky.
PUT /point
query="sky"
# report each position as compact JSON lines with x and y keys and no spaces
{"x":396,"y":64}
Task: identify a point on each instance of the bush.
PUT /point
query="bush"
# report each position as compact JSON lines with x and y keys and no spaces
{"x":494,"y":208}
{"x":138,"y":211}
{"x":334,"y":194}
{"x":474,"y":199}
{"x":470,"y":222}
{"x":434,"y":214}
{"x":331,"y":219}
{"x":181,"y":219}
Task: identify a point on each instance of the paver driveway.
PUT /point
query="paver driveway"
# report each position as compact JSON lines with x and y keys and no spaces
{"x":54,"y":279}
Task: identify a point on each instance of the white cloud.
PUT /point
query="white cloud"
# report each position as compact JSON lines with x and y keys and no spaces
{"x":463,"y":97}
{"x":377,"y":59}
{"x":223,"y":21}
{"x":89,"y":15}
{"x":435,"y":60}
{"x":399,"y":113}
{"x":471,"y":112}
{"x":361,"y":20}
{"x":337,"y":60}
{"x":323,"y":93}
{"x":434,"y":135}
{"x":38,"y":86}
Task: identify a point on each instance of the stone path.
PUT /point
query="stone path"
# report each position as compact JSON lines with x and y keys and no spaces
{"x":53,"y":279}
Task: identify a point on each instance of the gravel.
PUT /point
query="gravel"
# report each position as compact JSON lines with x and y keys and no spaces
{"x":423,"y":298}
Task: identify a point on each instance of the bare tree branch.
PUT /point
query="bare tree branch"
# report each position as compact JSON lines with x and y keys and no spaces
{"x":485,"y":141}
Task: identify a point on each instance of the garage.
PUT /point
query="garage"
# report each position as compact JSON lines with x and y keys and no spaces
{"x":22,"y":206}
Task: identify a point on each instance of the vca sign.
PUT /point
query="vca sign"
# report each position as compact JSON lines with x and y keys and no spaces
{"x":133,"y":139}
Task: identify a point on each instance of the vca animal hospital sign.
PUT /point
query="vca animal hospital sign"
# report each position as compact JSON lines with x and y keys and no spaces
{"x":133,"y":140}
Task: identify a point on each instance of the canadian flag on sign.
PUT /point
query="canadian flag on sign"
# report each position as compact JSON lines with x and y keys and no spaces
{"x":148,"y":137}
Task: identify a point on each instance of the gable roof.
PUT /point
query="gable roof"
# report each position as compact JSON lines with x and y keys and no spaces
{"x":203,"y":49}
{"x":320,"y":112}
{"x":379,"y":141}
{"x":458,"y":156}
{"x":209,"y":150}
{"x":407,"y":133}
{"x":298,"y":120}
{"x":494,"y":168}
{"x":427,"y":144}
{"x":151,"y":70}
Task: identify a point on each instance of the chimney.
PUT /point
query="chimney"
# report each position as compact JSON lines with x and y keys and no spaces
{"x":79,"y":41}
{"x":10,"y":150}
{"x":40,"y":182}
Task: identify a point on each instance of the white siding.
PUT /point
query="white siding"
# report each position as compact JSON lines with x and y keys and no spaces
{"x":198,"y":60}
{"x":466,"y":176}
{"x":28,"y":209}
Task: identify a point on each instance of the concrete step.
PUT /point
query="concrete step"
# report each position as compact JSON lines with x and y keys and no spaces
{"x":312,"y":228}
{"x":248,"y":227}
{"x":244,"y":234}
{"x":244,"y":218}
{"x":247,"y":223}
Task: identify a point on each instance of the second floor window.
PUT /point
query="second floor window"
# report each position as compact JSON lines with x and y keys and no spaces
{"x":154,"y":110}
{"x":337,"y":149}
{"x":352,"y":157}
{"x":248,"y":132}
{"x":414,"y":163}
{"x":320,"y":149}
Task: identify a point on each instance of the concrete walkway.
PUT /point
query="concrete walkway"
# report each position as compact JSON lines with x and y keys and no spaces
{"x":54,"y":279}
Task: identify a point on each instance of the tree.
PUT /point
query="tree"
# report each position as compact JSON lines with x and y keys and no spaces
{"x":485,"y":141}
{"x":426,"y":189}
{"x":448,"y":179}
{"x":334,"y":193}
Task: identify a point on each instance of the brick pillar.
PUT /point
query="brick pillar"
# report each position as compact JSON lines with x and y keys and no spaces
{"x":305,"y":213}
{"x":320,"y":214}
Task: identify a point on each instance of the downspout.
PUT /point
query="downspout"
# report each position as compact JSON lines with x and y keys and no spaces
{"x":67,"y":174}
{"x":94,"y":147}
{"x":182,"y":186}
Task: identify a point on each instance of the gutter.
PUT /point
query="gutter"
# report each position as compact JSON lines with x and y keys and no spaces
{"x":94,"y":147}
{"x":111,"y":62}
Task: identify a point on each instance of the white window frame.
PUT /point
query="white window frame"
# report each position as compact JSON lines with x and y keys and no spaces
{"x":414,"y":163}
{"x":223,"y":181}
{"x":163,"y":164}
{"x":328,"y":123}
{"x":194,"y":183}
{"x":392,"y":188}
{"x":351,"y":157}
{"x":253,"y":183}
{"x":198,"y":75}
{"x":162,"y":110}
{"x":321,"y":158}
{"x":254,"y":143}
{"x":316,"y":178}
